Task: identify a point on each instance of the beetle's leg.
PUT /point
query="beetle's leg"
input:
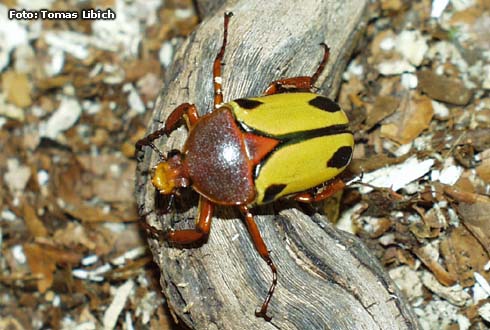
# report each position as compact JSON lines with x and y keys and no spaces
{"x":298,"y":84}
{"x":171,"y":123}
{"x":217,"y":80}
{"x":264,"y":253}
{"x":203,"y":226}
{"x":186,"y":109}
{"x":148,"y":141}
{"x":151,"y":230}
{"x":331,"y":188}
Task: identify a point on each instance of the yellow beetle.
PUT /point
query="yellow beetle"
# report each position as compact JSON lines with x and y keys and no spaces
{"x":253,"y":151}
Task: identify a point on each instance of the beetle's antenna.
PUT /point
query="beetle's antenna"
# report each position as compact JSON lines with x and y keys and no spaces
{"x":217,"y":80}
{"x":324,"y":61}
{"x":170,"y":204}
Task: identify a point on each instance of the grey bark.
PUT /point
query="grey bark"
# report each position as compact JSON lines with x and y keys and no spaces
{"x":327,"y":279}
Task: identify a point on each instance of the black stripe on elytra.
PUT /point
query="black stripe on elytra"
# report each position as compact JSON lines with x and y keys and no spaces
{"x":296,"y":137}
{"x":248,"y":103}
{"x":293,"y":138}
{"x":325,"y":104}
{"x":340,"y":158}
{"x":272,"y":191}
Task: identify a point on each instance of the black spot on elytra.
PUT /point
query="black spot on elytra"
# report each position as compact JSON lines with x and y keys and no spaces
{"x":340,"y":158}
{"x":325,"y":104}
{"x":248,"y":104}
{"x":272,"y":191}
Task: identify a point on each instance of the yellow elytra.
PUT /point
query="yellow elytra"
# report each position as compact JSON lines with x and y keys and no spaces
{"x":315,"y":144}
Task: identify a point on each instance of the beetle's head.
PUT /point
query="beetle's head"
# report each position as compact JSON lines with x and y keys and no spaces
{"x":169,"y":175}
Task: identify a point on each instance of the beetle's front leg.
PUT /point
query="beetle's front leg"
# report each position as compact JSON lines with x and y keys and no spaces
{"x":331,"y":188}
{"x":171,"y":124}
{"x":186,"y":109}
{"x":264,"y":253}
{"x":200,"y":232}
{"x":298,"y":84}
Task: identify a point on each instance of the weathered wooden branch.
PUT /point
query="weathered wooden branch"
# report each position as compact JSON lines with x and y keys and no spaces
{"x":327,"y":278}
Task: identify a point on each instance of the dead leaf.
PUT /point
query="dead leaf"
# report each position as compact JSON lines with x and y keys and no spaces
{"x":74,"y":235}
{"x":432,"y":223}
{"x":59,"y":255}
{"x":138,"y":68}
{"x":430,"y":260}
{"x":414,"y":116}
{"x":483,"y":170}
{"x":476,"y":218}
{"x":53,"y":82}
{"x":34,"y":224}
{"x":464,"y":255}
{"x":398,"y":256}
{"x":392,"y":5}
{"x":10,"y":323}
{"x":41,"y":264}
{"x":442,"y":88}
{"x":88,"y":213}
{"x":17,"y":88}
{"x":382,"y":108}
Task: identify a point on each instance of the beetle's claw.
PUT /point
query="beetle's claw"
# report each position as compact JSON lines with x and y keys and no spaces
{"x":152,"y":231}
{"x":167,"y":234}
{"x":263,"y":313}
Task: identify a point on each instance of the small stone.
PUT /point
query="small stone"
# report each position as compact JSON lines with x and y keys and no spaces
{"x":484,"y":312}
{"x":62,"y":119}
{"x":412,"y":45}
{"x":395,"y":67}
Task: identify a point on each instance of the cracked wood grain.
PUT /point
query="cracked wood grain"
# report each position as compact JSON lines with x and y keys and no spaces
{"x":327,"y":279}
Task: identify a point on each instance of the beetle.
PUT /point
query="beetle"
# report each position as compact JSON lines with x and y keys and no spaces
{"x":252,"y":151}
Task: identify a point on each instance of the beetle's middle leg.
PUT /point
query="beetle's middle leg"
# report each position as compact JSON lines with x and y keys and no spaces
{"x":200,"y":232}
{"x":264,"y":253}
{"x":298,"y":84}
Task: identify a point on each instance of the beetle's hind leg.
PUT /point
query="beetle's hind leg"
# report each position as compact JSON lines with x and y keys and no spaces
{"x":330,"y":188}
{"x":218,"y":62}
{"x":264,"y":253}
{"x":299,"y":84}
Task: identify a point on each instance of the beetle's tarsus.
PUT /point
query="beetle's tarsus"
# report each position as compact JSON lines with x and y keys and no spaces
{"x":322,"y":64}
{"x":148,"y":141}
{"x":152,"y":231}
{"x":263,"y":314}
{"x":263,"y":310}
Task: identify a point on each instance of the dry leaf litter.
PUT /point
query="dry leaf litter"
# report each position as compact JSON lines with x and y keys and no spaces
{"x":417,"y":94}
{"x":75,"y":96}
